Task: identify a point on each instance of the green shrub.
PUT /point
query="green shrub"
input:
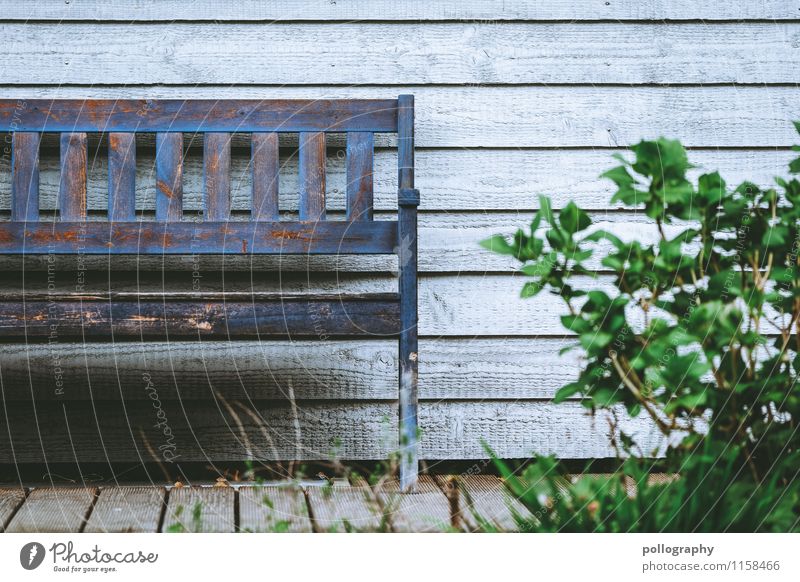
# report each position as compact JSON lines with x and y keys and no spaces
{"x":698,"y":329}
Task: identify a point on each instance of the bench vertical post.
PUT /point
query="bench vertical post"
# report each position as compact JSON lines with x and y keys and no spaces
{"x":72,"y":190}
{"x":25,"y":176}
{"x":122,"y":177}
{"x":408,"y":199}
{"x":360,"y":152}
{"x":169,"y":177}
{"x":217,"y":176}
{"x":265,"y":167}
{"x":312,"y":176}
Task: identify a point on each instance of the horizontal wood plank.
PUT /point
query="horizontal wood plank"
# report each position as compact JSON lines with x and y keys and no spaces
{"x":10,"y":501}
{"x":173,"y":432}
{"x":484,"y":500}
{"x":200,"y":510}
{"x":534,"y":116}
{"x":56,"y":510}
{"x":127,"y":510}
{"x":430,"y":53}
{"x":100,"y":320}
{"x":383,"y":10}
{"x":469,"y":304}
{"x":425,"y":511}
{"x":327,"y":237}
{"x":269,"y":508}
{"x":494,"y":369}
{"x":210,"y":115}
{"x":449,"y":179}
{"x":344,"y":508}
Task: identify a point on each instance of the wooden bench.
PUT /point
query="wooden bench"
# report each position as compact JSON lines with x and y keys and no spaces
{"x":124,"y":231}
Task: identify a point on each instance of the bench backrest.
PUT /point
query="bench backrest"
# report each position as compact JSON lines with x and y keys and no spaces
{"x":264,"y":233}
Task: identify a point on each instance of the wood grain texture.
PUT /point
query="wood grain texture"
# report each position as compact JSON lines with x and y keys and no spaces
{"x":198,"y":115}
{"x":450,"y":179}
{"x":127,"y":510}
{"x":217,"y":174}
{"x":239,"y":238}
{"x":169,"y":177}
{"x":273,"y":509}
{"x":448,"y":243}
{"x":121,"y":177}
{"x":72,"y":192}
{"x":368,"y":53}
{"x":450,"y":369}
{"x":535,"y":116}
{"x":344,"y":508}
{"x":200,"y":510}
{"x":265,"y":164}
{"x":311,"y":165}
{"x":360,"y":150}
{"x":93,"y":320}
{"x":207,"y":432}
{"x":450,"y":305}
{"x":57,"y":510}
{"x":10,"y":501}
{"x":25,"y":176}
{"x":383,"y":10}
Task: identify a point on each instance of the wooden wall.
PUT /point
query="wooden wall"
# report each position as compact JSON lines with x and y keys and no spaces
{"x":514,"y":99}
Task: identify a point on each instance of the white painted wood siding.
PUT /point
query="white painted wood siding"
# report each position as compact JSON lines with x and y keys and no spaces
{"x":514,"y":99}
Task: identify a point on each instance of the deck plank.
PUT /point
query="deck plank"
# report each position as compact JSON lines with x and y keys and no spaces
{"x":270,"y":508}
{"x":200,"y":510}
{"x":54,"y":510}
{"x":344,"y":508}
{"x":485,"y":497}
{"x":10,"y":500}
{"x":127,"y":509}
{"x":424,"y":511}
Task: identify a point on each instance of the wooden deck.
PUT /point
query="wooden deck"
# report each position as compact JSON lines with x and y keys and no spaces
{"x":267,"y":507}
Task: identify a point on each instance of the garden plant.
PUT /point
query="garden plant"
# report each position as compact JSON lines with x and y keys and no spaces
{"x":698,"y":328}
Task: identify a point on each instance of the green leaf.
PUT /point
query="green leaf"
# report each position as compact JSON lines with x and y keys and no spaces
{"x":546,"y":209}
{"x":619,"y":176}
{"x":531,"y":289}
{"x":498,"y":244}
{"x":567,"y":391}
{"x":573,"y":219}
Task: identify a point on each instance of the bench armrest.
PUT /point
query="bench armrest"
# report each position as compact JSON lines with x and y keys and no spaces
{"x":408,"y":197}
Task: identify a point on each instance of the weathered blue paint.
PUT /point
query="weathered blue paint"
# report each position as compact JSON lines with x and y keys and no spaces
{"x":207,"y":238}
{"x":407,"y":258}
{"x":121,"y":177}
{"x":198,"y":115}
{"x":140,"y":317}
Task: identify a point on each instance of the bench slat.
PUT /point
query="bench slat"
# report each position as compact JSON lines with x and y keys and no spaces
{"x":72,"y":192}
{"x":265,"y":162}
{"x":312,"y":176}
{"x":25,"y":176}
{"x":193,"y":115}
{"x":169,"y":177}
{"x":217,"y":175}
{"x":360,"y":150}
{"x":159,"y":320}
{"x":271,"y":238}
{"x":122,"y":176}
